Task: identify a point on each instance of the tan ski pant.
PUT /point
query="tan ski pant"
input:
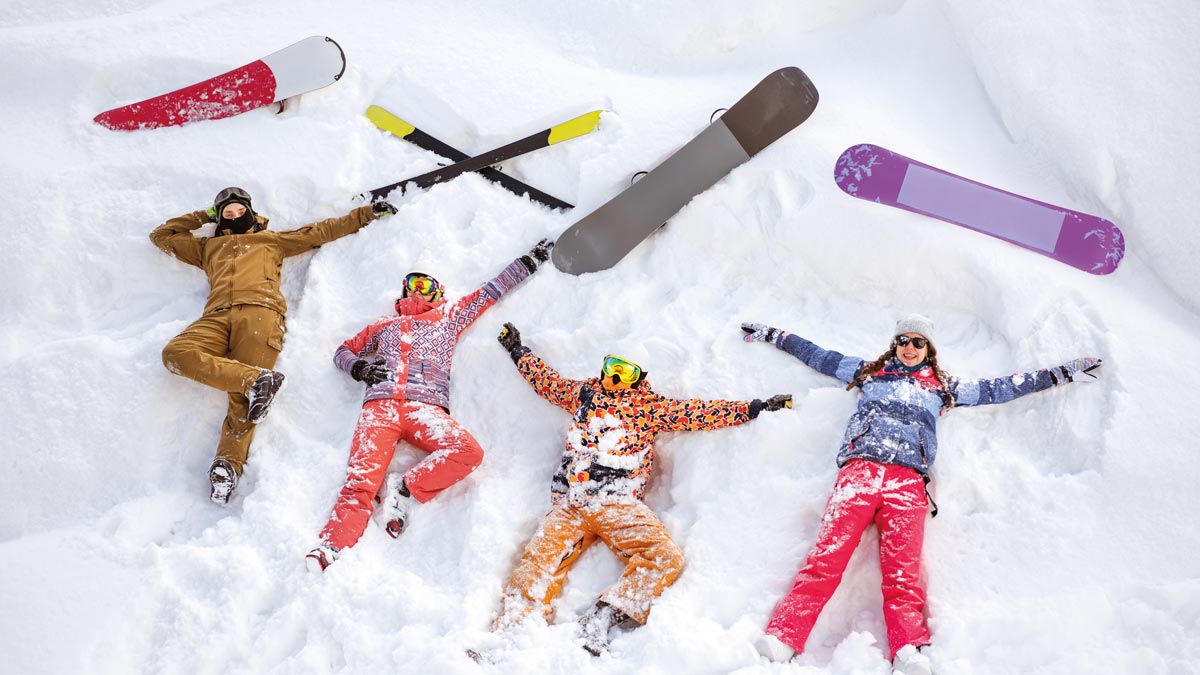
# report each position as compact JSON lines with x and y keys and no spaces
{"x":227,"y":350}
{"x":632,"y":531}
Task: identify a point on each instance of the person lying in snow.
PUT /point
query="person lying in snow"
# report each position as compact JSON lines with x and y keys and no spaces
{"x":405,"y":362}
{"x":234,"y":344}
{"x":597,"y":492}
{"x":889,"y":446}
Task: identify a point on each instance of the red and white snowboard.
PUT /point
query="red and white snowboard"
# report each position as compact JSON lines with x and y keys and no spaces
{"x":309,"y":64}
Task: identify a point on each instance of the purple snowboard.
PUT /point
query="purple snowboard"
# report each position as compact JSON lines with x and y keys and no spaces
{"x":879,"y":175}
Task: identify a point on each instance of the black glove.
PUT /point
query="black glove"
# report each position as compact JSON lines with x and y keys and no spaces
{"x":381,"y":209}
{"x":540,"y":253}
{"x":371,"y":373}
{"x":759,"y":332}
{"x":509,"y":337}
{"x":776,"y":402}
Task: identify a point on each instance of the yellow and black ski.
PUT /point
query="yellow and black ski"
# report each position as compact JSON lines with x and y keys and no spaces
{"x":397,"y":127}
{"x":573,"y":128}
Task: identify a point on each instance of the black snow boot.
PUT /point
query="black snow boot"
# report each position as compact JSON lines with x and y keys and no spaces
{"x":223,"y":479}
{"x":262,"y":394}
{"x":595,"y":624}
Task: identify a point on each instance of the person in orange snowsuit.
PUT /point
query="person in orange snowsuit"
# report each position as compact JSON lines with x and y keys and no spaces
{"x":598,"y":489}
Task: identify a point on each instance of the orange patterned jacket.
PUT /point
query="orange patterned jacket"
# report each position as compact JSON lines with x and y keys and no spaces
{"x":610,"y":446}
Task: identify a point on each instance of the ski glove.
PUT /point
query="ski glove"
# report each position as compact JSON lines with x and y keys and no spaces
{"x":371,"y":373}
{"x":1085,"y":369}
{"x":510,"y":339}
{"x":381,"y":209}
{"x":776,"y":402}
{"x":759,"y":332}
{"x":540,"y":253}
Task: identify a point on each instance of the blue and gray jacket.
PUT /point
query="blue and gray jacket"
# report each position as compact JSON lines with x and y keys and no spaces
{"x":896,"y":420}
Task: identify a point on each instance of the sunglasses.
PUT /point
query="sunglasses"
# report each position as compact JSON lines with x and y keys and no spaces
{"x":918,"y":342}
{"x":625,"y":371}
{"x":421,"y":283}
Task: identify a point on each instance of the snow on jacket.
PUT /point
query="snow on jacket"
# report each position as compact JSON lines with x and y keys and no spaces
{"x":896,"y":419}
{"x":610,"y":446}
{"x":243,"y":269}
{"x":419,"y":348}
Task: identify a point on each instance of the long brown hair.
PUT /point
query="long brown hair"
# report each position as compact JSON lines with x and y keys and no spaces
{"x":869,"y":369}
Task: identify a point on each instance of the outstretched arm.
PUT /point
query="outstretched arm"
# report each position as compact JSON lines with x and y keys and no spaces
{"x":311,"y":236}
{"x":826,"y":361}
{"x":467,"y":309}
{"x":694,"y":414}
{"x":174,"y":237}
{"x":1005,"y":389}
{"x":546,"y":381}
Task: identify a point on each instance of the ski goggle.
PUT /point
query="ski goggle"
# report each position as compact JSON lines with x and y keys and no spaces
{"x":235,"y":193}
{"x":422,"y":284}
{"x":625,"y":371}
{"x":918,"y":342}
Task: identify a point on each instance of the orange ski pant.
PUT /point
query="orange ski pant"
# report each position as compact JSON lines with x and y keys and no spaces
{"x":632,"y":531}
{"x":453,"y":453}
{"x":893,"y":497}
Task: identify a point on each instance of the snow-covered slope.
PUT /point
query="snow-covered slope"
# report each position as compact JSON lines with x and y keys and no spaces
{"x":1067,"y":539}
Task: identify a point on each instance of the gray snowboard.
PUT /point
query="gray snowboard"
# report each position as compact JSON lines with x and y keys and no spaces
{"x":778,"y":104}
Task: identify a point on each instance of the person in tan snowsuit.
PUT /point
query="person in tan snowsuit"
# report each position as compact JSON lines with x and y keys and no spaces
{"x":235,"y":342}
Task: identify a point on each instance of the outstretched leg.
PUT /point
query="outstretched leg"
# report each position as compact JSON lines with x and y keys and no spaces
{"x":539,"y":576}
{"x":847,"y":514}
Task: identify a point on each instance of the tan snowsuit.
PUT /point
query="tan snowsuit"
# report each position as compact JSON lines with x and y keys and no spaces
{"x":241,"y":330}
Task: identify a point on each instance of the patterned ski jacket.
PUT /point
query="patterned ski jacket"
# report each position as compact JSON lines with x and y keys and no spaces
{"x":610,"y":446}
{"x":419,"y":348}
{"x":243,"y":269}
{"x":896,"y":420}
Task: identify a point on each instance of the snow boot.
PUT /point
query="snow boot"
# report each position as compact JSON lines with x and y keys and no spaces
{"x":262,"y":394}
{"x":910,"y":661}
{"x":774,"y":649}
{"x":320,"y":558}
{"x":394,"y":502}
{"x":223,"y":479}
{"x":595,"y":624}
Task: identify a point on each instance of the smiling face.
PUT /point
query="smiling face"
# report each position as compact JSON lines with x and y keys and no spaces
{"x":907,"y":350}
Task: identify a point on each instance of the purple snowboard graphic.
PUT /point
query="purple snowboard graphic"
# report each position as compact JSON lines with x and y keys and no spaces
{"x":879,"y":175}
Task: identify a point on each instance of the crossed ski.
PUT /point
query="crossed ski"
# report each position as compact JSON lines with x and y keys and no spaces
{"x":572,"y":128}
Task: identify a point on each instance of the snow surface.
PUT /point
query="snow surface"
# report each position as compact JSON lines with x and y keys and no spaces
{"x":1067,"y":541}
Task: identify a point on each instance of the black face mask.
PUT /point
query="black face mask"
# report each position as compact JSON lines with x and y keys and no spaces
{"x":239,"y":225}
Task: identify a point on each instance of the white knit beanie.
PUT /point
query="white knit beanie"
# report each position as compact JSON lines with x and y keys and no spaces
{"x":915,"y":323}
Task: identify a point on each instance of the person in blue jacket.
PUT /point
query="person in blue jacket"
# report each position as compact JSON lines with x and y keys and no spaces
{"x":884,"y":460}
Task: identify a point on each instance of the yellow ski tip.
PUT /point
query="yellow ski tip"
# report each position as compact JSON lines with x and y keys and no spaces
{"x":580,"y":126}
{"x":389,"y":122}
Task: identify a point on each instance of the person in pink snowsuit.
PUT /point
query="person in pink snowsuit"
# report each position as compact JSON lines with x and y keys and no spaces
{"x":405,"y":362}
{"x":889,"y":446}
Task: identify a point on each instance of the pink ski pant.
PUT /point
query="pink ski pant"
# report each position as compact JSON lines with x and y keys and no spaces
{"x":454,"y":453}
{"x":893,"y":497}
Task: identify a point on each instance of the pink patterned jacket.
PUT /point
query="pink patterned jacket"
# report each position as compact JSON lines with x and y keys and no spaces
{"x":419,"y":348}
